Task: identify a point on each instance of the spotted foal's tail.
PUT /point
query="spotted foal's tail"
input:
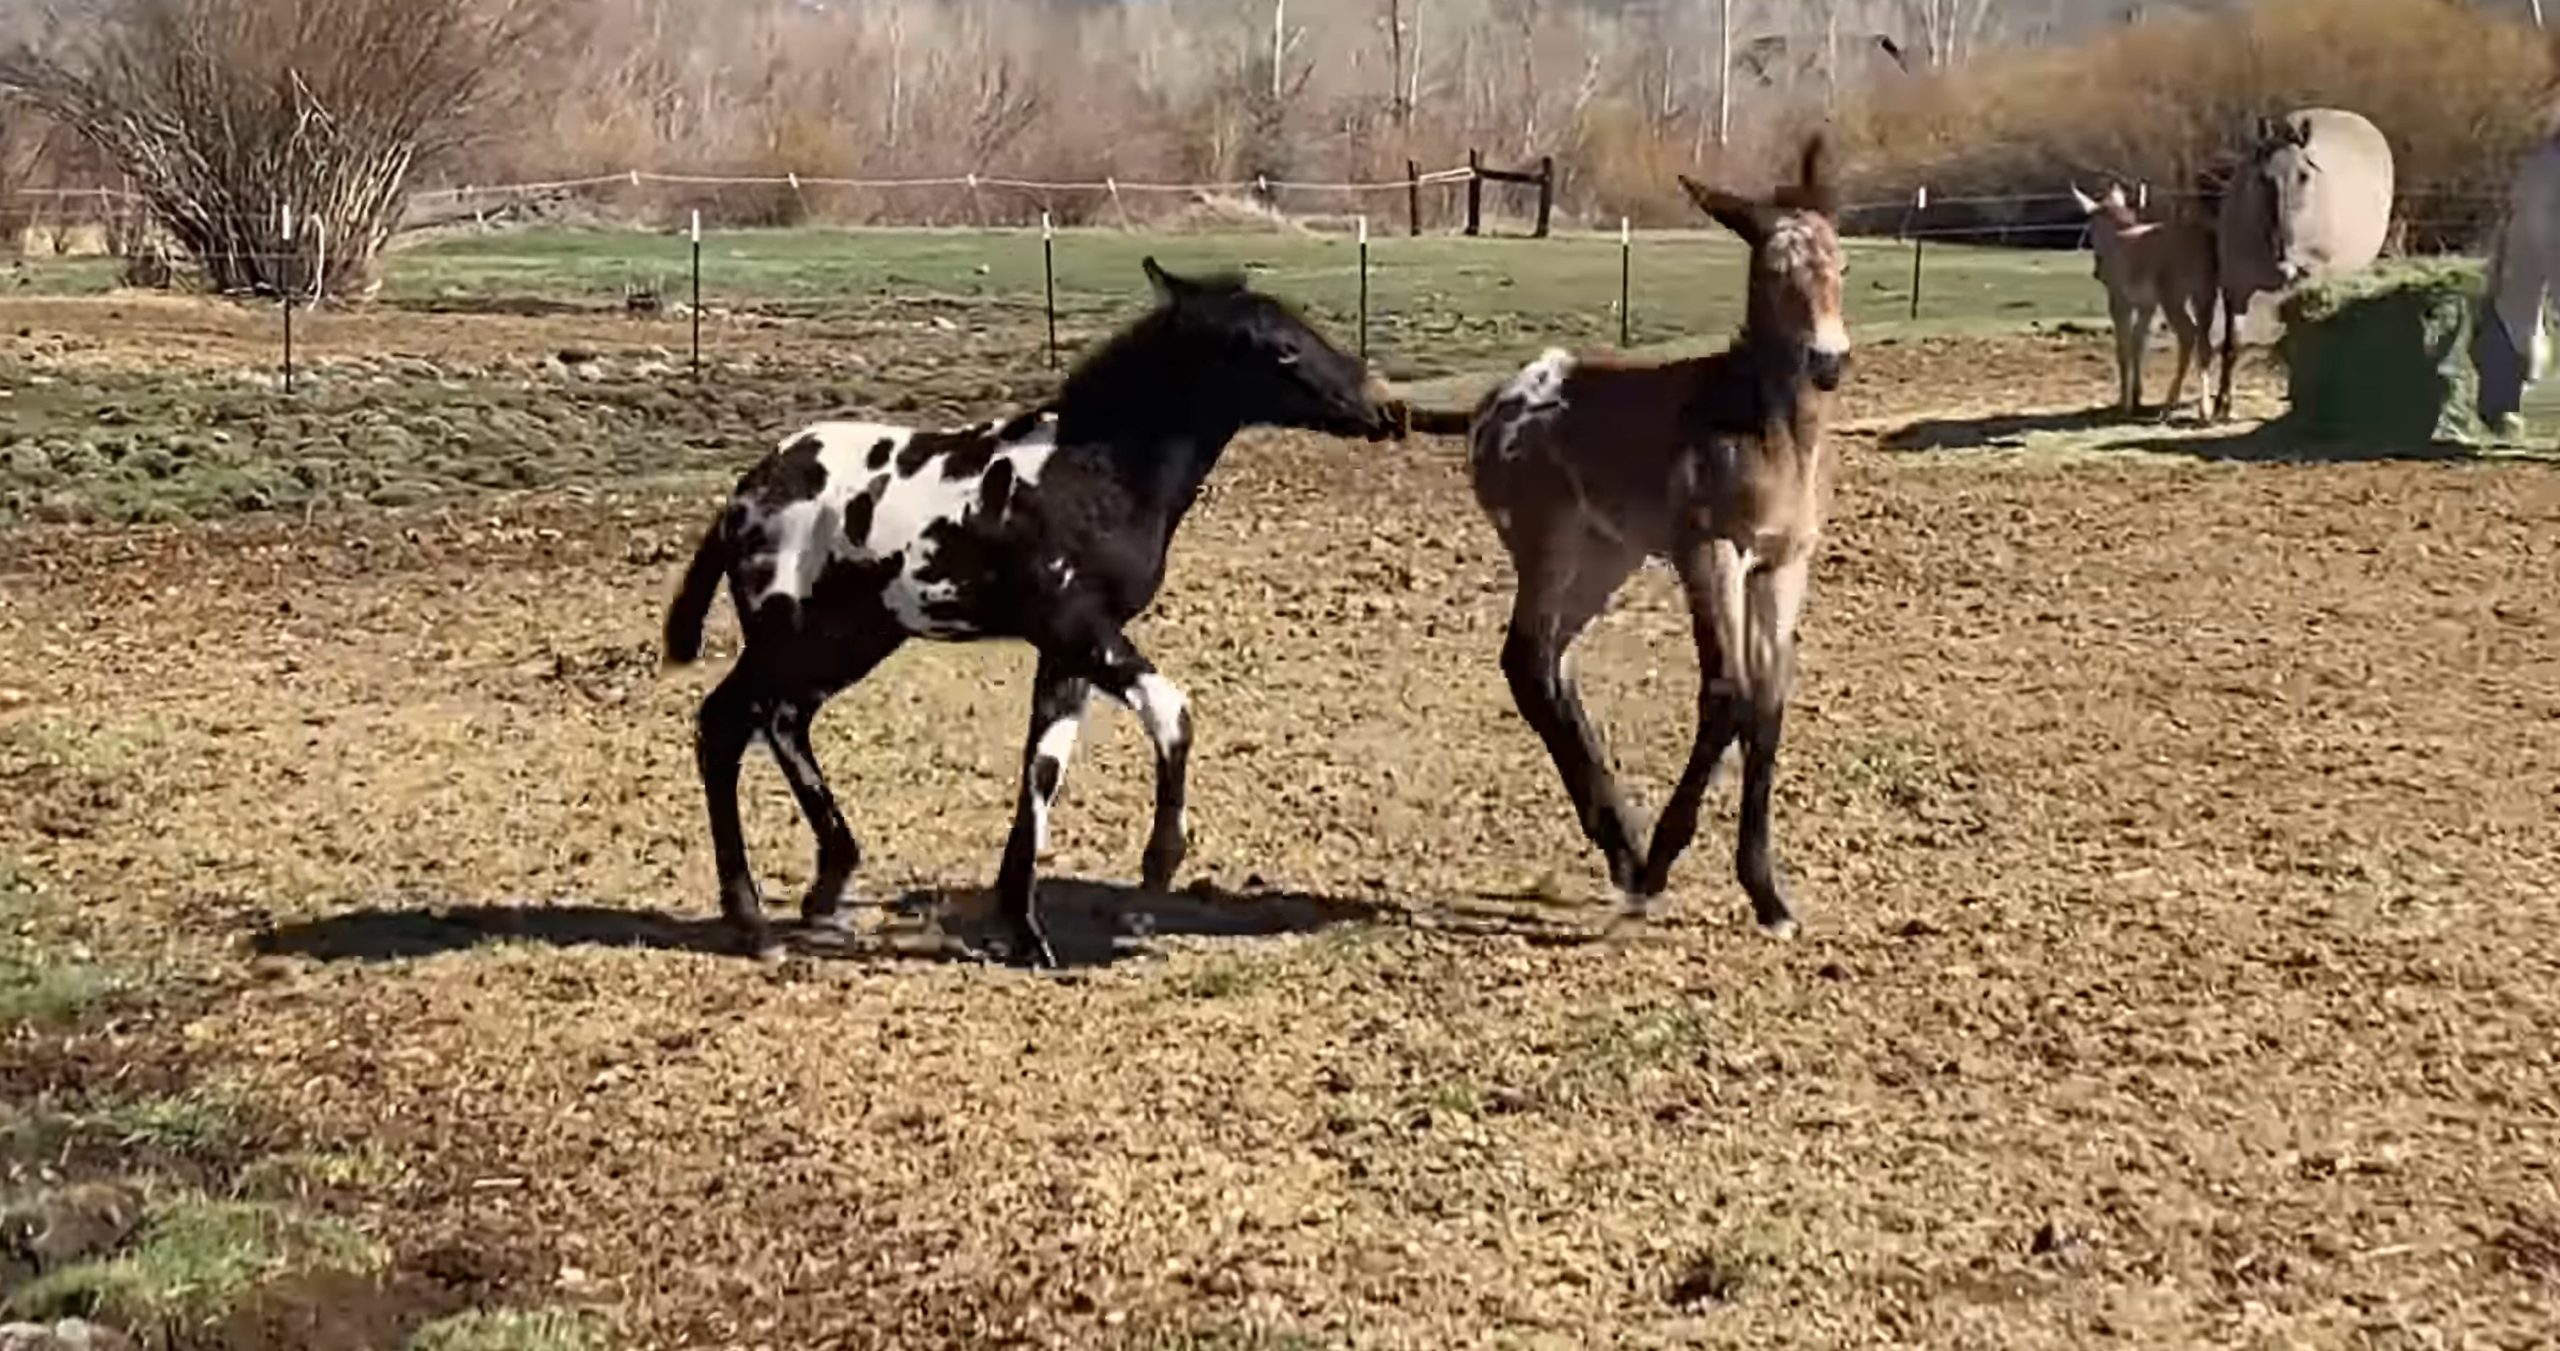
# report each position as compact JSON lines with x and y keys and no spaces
{"x":693,"y":598}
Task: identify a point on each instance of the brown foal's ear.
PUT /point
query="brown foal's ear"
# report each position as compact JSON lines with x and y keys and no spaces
{"x":1813,"y":190}
{"x":1743,"y":216}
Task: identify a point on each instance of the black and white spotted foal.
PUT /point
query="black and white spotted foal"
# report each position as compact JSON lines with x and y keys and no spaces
{"x":852,"y":537}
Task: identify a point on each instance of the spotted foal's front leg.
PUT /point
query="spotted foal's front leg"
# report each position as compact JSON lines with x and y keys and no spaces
{"x":1067,"y":675}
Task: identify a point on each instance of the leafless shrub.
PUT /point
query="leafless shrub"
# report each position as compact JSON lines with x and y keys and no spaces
{"x":233,"y":117}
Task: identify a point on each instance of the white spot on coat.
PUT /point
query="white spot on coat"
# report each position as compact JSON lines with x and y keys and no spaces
{"x":1057,"y":743}
{"x":804,"y":537}
{"x":1534,"y":393}
{"x":1159,"y":708}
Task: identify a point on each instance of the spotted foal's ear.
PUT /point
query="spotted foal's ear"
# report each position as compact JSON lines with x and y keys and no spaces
{"x":1745,"y":217}
{"x":1168,"y":287}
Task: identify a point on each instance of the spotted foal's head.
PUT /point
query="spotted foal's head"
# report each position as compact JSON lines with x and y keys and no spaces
{"x":1797,"y":264}
{"x":1259,"y":359}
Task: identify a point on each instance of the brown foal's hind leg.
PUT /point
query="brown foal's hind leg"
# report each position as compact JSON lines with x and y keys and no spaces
{"x":1565,"y":583}
{"x":1711,"y":572}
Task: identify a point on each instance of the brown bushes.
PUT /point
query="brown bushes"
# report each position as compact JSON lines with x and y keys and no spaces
{"x":1039,"y":89}
{"x":2460,"y":92}
{"x":224,"y":114}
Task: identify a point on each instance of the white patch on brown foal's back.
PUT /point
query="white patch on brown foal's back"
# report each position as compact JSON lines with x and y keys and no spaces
{"x":1532,"y":395}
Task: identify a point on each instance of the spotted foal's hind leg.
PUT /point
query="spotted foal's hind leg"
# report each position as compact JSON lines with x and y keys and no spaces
{"x":1565,"y":583}
{"x":786,"y":730}
{"x":786,"y":716}
{"x":728,"y":719}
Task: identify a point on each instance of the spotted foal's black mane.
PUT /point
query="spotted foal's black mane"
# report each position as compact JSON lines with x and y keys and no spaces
{"x":1155,"y":399}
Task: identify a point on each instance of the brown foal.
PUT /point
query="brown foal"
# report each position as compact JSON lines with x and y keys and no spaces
{"x":1588,"y":465}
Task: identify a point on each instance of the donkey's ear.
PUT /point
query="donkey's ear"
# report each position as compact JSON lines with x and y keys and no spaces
{"x":2088,"y":204}
{"x":1741,"y":215}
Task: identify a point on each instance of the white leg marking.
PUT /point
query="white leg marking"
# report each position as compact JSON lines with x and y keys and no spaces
{"x":1777,"y":599}
{"x":1159,"y":708}
{"x":1058,"y":744}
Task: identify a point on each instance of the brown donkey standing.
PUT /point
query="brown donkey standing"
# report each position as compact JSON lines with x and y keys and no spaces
{"x":2149,"y":267}
{"x":1588,"y":465}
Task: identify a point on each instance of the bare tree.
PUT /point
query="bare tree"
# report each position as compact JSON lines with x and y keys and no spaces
{"x":273,"y":139}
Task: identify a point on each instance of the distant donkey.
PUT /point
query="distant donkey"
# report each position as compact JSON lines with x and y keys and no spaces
{"x":2149,"y":268}
{"x":2311,"y":200}
{"x":2511,"y":348}
{"x":850,"y":538}
{"x":1587,"y":465}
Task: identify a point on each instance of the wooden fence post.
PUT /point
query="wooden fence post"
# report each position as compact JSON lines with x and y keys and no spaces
{"x":1413,"y":198}
{"x":1546,"y":191}
{"x":1475,"y":192}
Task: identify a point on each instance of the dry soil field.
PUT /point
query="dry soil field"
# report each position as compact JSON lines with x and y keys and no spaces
{"x":2176,"y":827}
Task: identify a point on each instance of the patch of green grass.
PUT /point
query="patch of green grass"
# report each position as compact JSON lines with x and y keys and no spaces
{"x":1604,"y":1055}
{"x":1226,"y":1337}
{"x":297,"y":1173}
{"x":194,"y":1259}
{"x":1898,"y":770}
{"x":1458,"y":1097}
{"x":511,"y":1330}
{"x":1219,"y":978}
{"x":170,"y":1125}
{"x":38,"y":985}
{"x":1737,"y":1261}
{"x":50,"y":994}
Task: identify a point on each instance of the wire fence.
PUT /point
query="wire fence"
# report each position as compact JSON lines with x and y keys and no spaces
{"x":2038,"y":220}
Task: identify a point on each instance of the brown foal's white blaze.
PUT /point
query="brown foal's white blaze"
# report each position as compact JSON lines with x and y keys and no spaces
{"x":1805,"y":251}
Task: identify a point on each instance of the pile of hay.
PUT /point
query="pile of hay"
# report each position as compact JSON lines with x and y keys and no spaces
{"x":2382,"y":358}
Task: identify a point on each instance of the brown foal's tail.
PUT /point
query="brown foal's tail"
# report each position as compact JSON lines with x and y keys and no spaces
{"x":1438,"y":421}
{"x":693,"y":599}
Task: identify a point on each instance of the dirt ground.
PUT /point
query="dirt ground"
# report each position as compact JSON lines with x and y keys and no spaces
{"x":2176,"y":833}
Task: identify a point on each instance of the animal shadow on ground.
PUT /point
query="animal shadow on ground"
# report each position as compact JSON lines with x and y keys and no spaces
{"x":1090,"y":924}
{"x":2277,"y":441}
{"x":2009,"y":429}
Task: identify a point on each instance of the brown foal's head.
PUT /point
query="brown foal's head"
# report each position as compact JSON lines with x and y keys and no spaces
{"x":1797,"y":264}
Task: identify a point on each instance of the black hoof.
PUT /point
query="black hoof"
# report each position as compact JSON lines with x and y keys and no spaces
{"x":825,"y":919}
{"x":1028,"y":949}
{"x":1774,"y":912}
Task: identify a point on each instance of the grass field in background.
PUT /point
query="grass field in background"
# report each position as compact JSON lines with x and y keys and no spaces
{"x":1428,"y":296}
